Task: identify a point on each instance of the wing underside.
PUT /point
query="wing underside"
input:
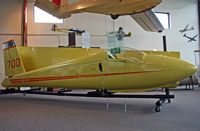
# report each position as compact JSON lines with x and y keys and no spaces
{"x":64,"y":8}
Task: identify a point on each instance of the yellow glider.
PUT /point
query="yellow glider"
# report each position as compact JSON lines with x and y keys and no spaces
{"x":64,"y":8}
{"x":80,"y":68}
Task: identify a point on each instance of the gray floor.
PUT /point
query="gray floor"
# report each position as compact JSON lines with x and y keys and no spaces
{"x":55,"y":113}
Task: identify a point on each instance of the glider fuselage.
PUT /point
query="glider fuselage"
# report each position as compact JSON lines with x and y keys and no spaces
{"x":95,"y":69}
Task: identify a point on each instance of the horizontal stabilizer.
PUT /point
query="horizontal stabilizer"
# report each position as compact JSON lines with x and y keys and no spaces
{"x":148,"y":21}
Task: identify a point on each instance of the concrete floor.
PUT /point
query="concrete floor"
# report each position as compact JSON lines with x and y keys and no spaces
{"x":56,"y":113}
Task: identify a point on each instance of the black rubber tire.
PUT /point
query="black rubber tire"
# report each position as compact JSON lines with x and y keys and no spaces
{"x":158,"y":103}
{"x":157,"y":109}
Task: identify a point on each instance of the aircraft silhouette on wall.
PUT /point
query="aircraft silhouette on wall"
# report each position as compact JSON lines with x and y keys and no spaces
{"x":186,"y":29}
{"x":191,"y":39}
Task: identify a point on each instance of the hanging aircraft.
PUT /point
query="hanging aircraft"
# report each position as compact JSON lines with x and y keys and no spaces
{"x":191,"y":39}
{"x":66,"y":30}
{"x":79,"y":68}
{"x":186,"y":29}
{"x":139,"y":10}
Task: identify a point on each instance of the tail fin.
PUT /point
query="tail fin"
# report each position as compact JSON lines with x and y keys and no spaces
{"x":12,"y":60}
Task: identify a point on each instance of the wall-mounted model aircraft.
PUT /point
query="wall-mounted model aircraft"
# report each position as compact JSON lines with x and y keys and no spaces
{"x":131,"y":71}
{"x":191,"y":39}
{"x":115,"y":8}
{"x":186,"y":29}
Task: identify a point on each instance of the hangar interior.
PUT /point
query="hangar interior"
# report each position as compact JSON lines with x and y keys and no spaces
{"x":182,"y":13}
{"x":40,"y":34}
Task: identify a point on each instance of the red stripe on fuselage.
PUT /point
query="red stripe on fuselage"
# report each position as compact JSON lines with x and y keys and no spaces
{"x":39,"y":79}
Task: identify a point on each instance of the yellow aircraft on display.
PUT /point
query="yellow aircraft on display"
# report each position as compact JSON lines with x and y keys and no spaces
{"x":64,"y":8}
{"x":139,"y":10}
{"x":111,"y":70}
{"x":130,"y":71}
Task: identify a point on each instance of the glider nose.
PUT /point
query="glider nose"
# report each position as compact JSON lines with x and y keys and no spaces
{"x":190,"y":69}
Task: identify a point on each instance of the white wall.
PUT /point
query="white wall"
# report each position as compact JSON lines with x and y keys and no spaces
{"x":181,"y":12}
{"x":10,"y":26}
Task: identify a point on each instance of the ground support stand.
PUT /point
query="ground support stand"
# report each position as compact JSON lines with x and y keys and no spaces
{"x":102,"y":94}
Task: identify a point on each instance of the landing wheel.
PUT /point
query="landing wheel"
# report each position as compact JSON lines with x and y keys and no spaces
{"x":158,"y":105}
{"x":114,"y":17}
{"x":169,"y":100}
{"x":157,"y":109}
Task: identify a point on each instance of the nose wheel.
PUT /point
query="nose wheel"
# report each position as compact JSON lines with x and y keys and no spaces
{"x":157,"y":109}
{"x":160,"y":102}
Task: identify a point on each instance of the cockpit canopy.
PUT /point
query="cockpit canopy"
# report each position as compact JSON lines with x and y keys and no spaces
{"x":126,"y":54}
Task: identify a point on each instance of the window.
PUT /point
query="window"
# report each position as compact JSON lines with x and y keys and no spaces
{"x":41,"y":16}
{"x":164,"y":19}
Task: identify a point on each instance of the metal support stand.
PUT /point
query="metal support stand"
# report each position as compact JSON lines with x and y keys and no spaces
{"x":125,"y":107}
{"x":107,"y":104}
{"x":192,"y":82}
{"x":102,"y":94}
{"x":187,"y":86}
{"x":160,"y":102}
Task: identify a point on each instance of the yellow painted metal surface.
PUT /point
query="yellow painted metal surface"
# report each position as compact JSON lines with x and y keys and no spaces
{"x":95,"y":69}
{"x":115,"y":7}
{"x":13,"y":63}
{"x":168,"y":54}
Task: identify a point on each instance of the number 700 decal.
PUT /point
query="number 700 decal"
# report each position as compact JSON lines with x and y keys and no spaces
{"x":14,"y":63}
